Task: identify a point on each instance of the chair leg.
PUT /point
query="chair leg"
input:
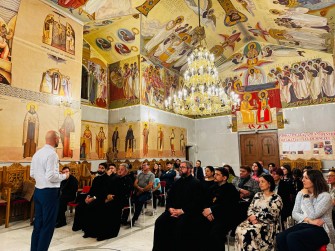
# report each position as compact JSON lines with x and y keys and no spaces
{"x":7,"y":215}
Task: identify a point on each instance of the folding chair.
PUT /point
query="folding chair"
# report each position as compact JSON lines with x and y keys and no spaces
{"x":73,"y":204}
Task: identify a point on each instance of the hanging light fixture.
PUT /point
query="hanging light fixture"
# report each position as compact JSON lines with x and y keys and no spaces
{"x":202,"y":93}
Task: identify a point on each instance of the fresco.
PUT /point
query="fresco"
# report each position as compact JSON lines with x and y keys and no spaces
{"x":58,"y":52}
{"x":115,"y":39}
{"x":146,"y":140}
{"x":93,"y":140}
{"x":124,"y":78}
{"x":8,"y":15}
{"x":35,"y":119}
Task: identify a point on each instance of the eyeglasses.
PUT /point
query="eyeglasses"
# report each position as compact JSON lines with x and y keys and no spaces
{"x":330,"y":176}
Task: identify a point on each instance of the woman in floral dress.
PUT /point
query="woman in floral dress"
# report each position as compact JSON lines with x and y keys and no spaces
{"x":258,"y":231}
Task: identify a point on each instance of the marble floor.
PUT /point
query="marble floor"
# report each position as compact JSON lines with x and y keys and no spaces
{"x":138,"y":238}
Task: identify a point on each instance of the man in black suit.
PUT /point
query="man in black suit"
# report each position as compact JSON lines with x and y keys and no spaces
{"x":168,"y":176}
{"x":222,"y":211}
{"x":198,"y":172}
{"x":68,"y":191}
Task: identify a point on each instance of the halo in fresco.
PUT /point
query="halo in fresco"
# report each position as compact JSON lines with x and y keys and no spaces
{"x":126,"y":35}
{"x":103,"y":44}
{"x":122,"y":49}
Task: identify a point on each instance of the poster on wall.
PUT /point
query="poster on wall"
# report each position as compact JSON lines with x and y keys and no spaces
{"x":55,"y":42}
{"x":147,"y":140}
{"x":93,"y":140}
{"x":33,"y":120}
{"x":8,"y":16}
{"x":318,"y":145}
{"x":124,"y":77}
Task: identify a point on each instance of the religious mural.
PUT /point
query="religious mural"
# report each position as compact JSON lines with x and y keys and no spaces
{"x":8,"y":15}
{"x":124,"y":77}
{"x":54,"y":42}
{"x":35,"y":119}
{"x":146,"y":140}
{"x":93,"y":140}
{"x":58,"y":34}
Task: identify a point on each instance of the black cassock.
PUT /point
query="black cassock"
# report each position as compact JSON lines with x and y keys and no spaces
{"x":184,"y":232}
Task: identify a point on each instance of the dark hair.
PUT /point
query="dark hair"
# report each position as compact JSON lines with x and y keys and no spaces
{"x":269,"y":179}
{"x":319,"y":182}
{"x":278,"y":171}
{"x":260,"y":168}
{"x":168,"y":162}
{"x":111,"y":164}
{"x":210,"y":168}
{"x":199,"y":161}
{"x":247,"y":168}
{"x":65,"y":167}
{"x":297,"y":173}
{"x":307,"y":168}
{"x":272,"y":164}
{"x":288,"y":168}
{"x":223,"y":171}
{"x":230,"y":169}
{"x":104,"y":164}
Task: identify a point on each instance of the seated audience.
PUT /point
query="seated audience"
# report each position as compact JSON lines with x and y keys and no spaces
{"x":313,"y":212}
{"x":257,"y":171}
{"x":283,"y":189}
{"x":156,"y":191}
{"x":331,"y":182}
{"x":157,"y":171}
{"x":221,"y":208}
{"x":307,"y":168}
{"x":287,"y":173}
{"x":247,"y":187}
{"x":271,"y":166}
{"x":179,"y":227}
{"x":168,"y":176}
{"x":232,"y":175}
{"x":258,"y":231}
{"x":126,"y":186}
{"x":209,"y":177}
{"x":264,"y":169}
{"x":198,"y":172}
{"x":143,"y":185}
{"x":296,"y":181}
{"x":94,"y":202}
{"x":67,"y":192}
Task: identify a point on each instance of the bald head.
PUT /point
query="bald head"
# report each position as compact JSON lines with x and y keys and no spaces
{"x":51,"y":138}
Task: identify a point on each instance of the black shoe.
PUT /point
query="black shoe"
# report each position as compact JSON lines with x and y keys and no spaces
{"x":58,"y":225}
{"x":102,"y":238}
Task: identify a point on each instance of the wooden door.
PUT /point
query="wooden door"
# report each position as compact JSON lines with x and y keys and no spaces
{"x":259,"y":146}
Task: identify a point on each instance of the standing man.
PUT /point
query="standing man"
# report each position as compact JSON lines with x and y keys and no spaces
{"x":68,"y":192}
{"x":198,"y":172}
{"x":143,"y":185}
{"x":44,"y":169}
{"x":182,"y":220}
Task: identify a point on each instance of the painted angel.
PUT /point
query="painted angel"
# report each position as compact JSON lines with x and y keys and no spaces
{"x":207,"y":16}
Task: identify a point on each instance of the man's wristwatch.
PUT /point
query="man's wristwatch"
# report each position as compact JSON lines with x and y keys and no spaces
{"x":306,"y":195}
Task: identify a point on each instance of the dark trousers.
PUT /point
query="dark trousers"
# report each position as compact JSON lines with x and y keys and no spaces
{"x":61,"y":219}
{"x":46,"y":207}
{"x":156,"y":196}
{"x":302,"y":237}
{"x":139,"y":202}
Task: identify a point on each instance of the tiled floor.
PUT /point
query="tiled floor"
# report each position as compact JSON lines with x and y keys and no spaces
{"x":138,"y":238}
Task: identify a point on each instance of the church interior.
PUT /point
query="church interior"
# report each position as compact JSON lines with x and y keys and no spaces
{"x":120,"y":82}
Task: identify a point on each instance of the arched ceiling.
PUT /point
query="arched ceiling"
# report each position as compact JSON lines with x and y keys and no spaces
{"x":112,"y":27}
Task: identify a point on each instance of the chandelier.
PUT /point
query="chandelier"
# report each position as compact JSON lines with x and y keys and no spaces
{"x":202,"y":93}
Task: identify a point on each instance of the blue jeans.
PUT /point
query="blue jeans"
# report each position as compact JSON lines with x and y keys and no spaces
{"x":46,"y":209}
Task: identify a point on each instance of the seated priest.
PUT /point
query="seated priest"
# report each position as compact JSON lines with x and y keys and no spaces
{"x":68,"y":190}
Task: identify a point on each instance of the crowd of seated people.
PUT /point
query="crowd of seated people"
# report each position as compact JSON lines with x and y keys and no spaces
{"x":258,"y":211}
{"x":256,"y":206}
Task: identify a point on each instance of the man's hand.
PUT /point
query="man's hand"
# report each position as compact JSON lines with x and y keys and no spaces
{"x":89,"y":200}
{"x":244,"y":193}
{"x":175,"y":212}
{"x":109,"y":198}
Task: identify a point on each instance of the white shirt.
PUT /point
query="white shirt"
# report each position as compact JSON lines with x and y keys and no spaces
{"x":45,"y":168}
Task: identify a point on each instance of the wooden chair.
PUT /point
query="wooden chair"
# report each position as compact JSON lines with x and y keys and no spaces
{"x":315,"y":163}
{"x":5,"y":203}
{"x":287,"y":161}
{"x":300,"y":163}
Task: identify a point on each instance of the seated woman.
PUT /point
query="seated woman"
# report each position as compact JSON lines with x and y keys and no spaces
{"x":209,"y":177}
{"x":258,"y":231}
{"x":232,"y":175}
{"x":313,"y":212}
{"x":257,"y":171}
